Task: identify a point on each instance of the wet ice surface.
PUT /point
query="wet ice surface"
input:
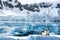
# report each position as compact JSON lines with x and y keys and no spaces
{"x":31,"y":37}
{"x":14,"y":29}
{"x":17,"y":28}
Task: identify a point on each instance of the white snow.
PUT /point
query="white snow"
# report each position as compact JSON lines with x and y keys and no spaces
{"x":35,"y":1}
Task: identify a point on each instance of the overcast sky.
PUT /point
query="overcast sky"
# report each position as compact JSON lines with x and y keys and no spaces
{"x":35,"y":1}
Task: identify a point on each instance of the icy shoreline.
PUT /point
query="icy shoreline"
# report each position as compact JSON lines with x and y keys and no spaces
{"x":30,"y":37}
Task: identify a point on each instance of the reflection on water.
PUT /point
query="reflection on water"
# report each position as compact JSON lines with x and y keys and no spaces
{"x":18,"y":28}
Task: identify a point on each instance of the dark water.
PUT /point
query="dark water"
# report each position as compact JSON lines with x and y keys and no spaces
{"x":26,"y":28}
